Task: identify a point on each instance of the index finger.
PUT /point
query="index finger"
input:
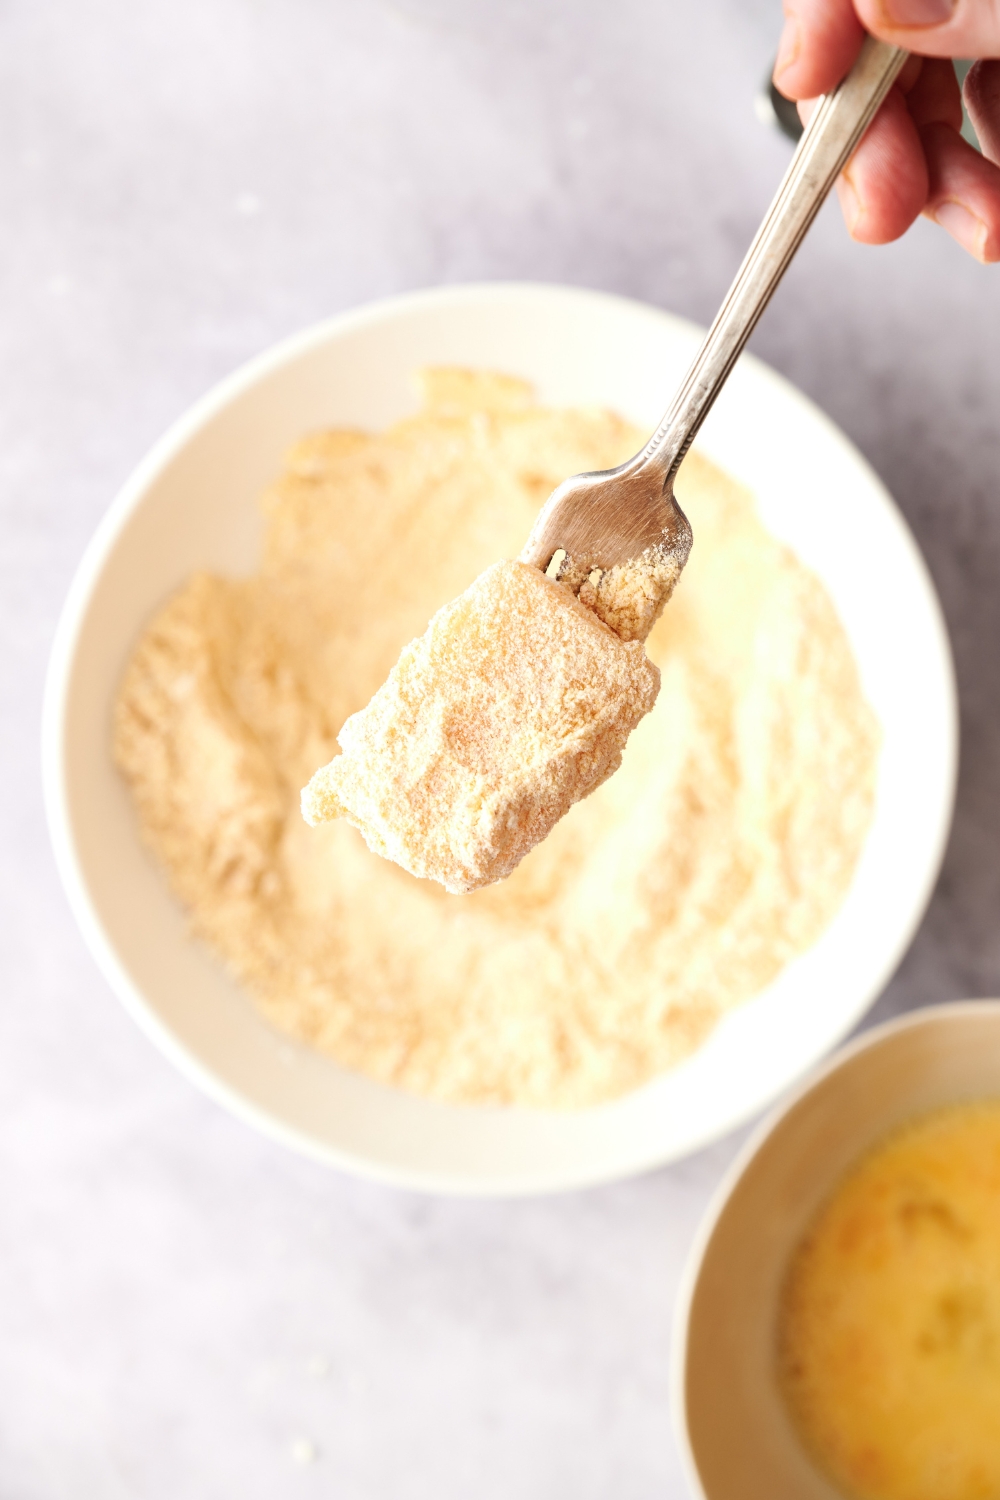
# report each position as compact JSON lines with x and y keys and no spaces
{"x":820,"y":41}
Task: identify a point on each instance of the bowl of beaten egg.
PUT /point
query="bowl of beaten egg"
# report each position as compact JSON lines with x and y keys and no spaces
{"x":689,"y":939}
{"x":838,"y":1324}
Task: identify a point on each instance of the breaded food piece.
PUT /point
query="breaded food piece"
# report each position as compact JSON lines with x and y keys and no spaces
{"x":515,"y":703}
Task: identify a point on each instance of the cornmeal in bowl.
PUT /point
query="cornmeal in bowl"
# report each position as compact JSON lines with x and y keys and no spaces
{"x":677,"y":888}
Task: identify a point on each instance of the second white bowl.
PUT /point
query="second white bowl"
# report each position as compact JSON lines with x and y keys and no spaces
{"x":736,"y":1436}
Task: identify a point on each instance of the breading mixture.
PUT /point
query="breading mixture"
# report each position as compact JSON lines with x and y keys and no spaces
{"x":515,"y":703}
{"x":680,"y":887}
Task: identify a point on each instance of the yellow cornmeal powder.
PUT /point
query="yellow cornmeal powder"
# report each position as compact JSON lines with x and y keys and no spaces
{"x":516,"y":702}
{"x":680,"y":887}
{"x":890,"y":1324}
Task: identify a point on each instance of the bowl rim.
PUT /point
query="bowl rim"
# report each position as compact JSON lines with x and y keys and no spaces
{"x":59,"y":676}
{"x":949,"y":1010}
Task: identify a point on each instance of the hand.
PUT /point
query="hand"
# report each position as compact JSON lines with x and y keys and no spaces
{"x":912,"y":159}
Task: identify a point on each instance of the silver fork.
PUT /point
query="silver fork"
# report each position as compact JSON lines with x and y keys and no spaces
{"x":618,"y":537}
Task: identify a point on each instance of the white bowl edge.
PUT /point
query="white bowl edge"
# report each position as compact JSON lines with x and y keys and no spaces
{"x":540,"y":1179}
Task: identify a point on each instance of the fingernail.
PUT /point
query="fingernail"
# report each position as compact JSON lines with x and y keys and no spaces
{"x":788,"y":48}
{"x":918,"y":12}
{"x":963,"y":226}
{"x":850,"y":203}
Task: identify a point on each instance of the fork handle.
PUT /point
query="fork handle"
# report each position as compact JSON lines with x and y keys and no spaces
{"x":837,"y":125}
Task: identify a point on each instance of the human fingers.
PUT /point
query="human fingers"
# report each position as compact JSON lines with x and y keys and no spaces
{"x":912,"y":158}
{"x":885,"y":184}
{"x":935,"y":28}
{"x":820,"y":41}
{"x":934,"y":98}
{"x":982,"y":100}
{"x":963,"y":194}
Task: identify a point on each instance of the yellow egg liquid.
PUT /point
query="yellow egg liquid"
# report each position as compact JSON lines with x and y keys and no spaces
{"x":889,"y":1334}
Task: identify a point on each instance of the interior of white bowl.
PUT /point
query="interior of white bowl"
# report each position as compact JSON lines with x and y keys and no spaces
{"x":735,"y":1430}
{"x":192,"y":504}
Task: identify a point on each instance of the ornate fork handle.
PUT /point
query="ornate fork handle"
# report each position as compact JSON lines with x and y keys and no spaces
{"x":836,"y":127}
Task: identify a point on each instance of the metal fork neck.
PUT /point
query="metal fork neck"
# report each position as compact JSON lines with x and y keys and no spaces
{"x":837,"y":125}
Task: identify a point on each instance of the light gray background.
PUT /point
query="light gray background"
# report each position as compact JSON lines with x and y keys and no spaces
{"x":182,"y":184}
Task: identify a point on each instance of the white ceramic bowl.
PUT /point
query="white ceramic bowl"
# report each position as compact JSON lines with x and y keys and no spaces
{"x":192,"y":504}
{"x":735,"y":1433}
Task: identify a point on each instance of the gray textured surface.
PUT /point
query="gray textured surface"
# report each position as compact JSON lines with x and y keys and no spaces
{"x":183,"y":184}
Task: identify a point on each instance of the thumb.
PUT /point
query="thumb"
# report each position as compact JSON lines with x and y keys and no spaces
{"x":935,"y":28}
